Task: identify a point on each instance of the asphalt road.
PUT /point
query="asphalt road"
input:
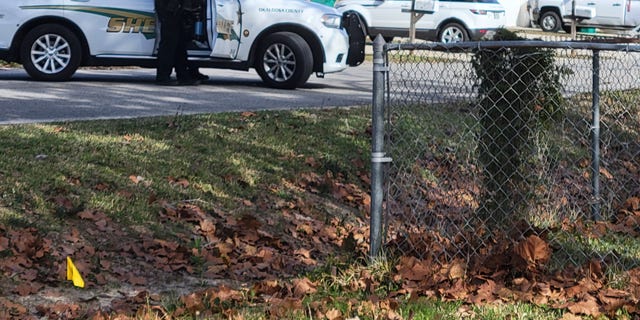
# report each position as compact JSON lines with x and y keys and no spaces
{"x":131,"y":92}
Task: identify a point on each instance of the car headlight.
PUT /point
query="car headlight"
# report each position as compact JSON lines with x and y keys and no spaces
{"x":331,"y":20}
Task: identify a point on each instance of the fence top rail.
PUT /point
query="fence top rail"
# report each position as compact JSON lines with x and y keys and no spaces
{"x":465,"y":46}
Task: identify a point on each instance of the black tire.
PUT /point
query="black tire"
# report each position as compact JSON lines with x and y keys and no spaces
{"x":51,"y":52}
{"x":284,"y":60}
{"x":453,"y":32}
{"x":550,"y":22}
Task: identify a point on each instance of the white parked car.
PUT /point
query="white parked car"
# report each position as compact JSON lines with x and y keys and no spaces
{"x":284,"y":40}
{"x":554,"y":15}
{"x":452,"y":21}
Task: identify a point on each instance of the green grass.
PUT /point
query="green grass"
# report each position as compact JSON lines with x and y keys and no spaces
{"x":619,"y":251}
{"x":117,"y":166}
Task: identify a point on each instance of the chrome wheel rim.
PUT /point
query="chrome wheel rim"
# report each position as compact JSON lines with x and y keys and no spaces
{"x":279,"y":62}
{"x":452,"y":35}
{"x":50,"y":53}
{"x":549,"y":23}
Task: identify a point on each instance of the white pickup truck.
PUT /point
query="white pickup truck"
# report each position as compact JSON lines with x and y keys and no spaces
{"x":554,"y":15}
{"x":284,"y":40}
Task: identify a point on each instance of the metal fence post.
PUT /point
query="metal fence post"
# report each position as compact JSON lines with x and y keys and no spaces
{"x":595,"y":138}
{"x":377,"y":146}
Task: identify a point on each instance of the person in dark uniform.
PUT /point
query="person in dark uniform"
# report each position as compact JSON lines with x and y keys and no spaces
{"x":193,"y":14}
{"x":172,"y":50}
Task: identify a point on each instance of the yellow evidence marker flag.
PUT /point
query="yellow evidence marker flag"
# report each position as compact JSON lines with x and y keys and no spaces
{"x":73,"y":274}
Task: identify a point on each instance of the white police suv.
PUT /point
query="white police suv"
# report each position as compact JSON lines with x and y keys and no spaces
{"x":283,"y":40}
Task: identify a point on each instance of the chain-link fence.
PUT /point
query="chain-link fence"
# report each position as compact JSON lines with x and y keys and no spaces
{"x":490,"y":143}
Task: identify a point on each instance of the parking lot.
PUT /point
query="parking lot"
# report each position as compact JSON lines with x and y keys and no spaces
{"x":131,"y":92}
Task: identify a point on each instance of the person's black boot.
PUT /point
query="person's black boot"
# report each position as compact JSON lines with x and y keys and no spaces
{"x":188,"y":82}
{"x":166,"y":82}
{"x":200,"y":76}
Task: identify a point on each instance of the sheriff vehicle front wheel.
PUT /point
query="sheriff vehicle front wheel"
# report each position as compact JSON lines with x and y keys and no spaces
{"x":284,"y":60}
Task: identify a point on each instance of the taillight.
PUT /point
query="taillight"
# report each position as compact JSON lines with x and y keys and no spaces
{"x":628,"y":5}
{"x":476,"y":11}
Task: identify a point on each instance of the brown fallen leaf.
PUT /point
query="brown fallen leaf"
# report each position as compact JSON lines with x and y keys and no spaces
{"x":136,"y":281}
{"x":136,"y":179}
{"x":632,"y":204}
{"x":533,"y":250}
{"x":457,"y":270}
{"x":570,"y":316}
{"x":588,"y":305}
{"x":334,"y":314}
{"x":614,"y":299}
{"x":281,"y":308}
{"x":303,"y":286}
{"x":25,"y":289}
{"x":4,"y":243}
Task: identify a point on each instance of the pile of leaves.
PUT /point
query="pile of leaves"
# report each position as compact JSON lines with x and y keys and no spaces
{"x":258,"y":259}
{"x":127,"y":269}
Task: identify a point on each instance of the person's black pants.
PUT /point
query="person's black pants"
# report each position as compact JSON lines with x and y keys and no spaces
{"x":172,"y":50}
